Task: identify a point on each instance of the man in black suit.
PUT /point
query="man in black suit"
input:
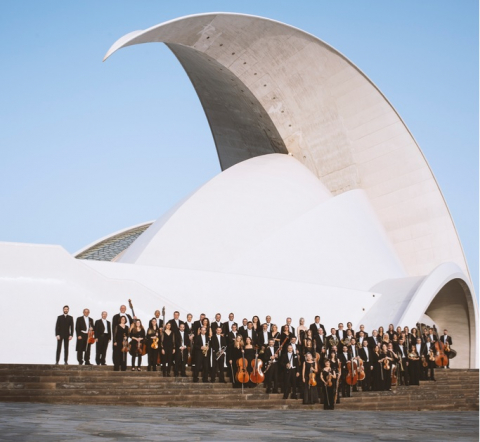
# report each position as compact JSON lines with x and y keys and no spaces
{"x":175,"y":322}
{"x":332,"y":339}
{"x":362,"y":329}
{"x":158,"y":319}
{"x":402,"y":370}
{"x":250,"y":332}
{"x":218,"y":342}
{"x":189,"y":324}
{"x":216,"y":324}
{"x":201,"y":343}
{"x":431,"y":364}
{"x":227,"y":326}
{"x":341,"y":333}
{"x":271,"y":369}
{"x":316,"y":325}
{"x":64,"y":333}
{"x":244,"y":326}
{"x":373,"y":340}
{"x":446,"y":339}
{"x":343,"y":359}
{"x":291,"y":328}
{"x":197,"y":325}
{"x":264,"y":336}
{"x":365,"y":354}
{"x":291,"y":371}
{"x":181,"y":352}
{"x":83,"y":325}
{"x":103,"y":335}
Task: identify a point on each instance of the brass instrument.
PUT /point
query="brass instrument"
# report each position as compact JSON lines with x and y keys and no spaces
{"x":333,"y":341}
{"x":347,"y":341}
{"x":220,"y":352}
{"x":205,"y":350}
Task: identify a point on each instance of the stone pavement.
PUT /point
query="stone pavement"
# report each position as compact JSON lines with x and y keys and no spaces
{"x":41,"y":422}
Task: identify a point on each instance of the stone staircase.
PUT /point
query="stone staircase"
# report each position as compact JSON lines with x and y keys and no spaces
{"x":57,"y":384}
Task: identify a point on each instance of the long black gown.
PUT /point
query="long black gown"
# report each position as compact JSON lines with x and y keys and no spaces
{"x":310,"y":393}
{"x":385,"y":375}
{"x":329,"y":392}
{"x":119,"y":357}
{"x":134,"y":344}
{"x":168,"y":344}
{"x":376,"y":373}
{"x":250,"y":356}
{"x":413,"y":369}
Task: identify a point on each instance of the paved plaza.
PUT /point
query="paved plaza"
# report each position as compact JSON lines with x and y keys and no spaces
{"x":42,"y":422}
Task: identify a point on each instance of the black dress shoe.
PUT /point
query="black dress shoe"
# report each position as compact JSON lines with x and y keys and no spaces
{"x":56,"y":363}
{"x":87,"y":363}
{"x":65,"y":363}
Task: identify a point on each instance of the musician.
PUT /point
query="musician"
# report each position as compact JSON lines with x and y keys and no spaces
{"x":158,"y":320}
{"x":152,"y":340}
{"x":256,"y":324}
{"x":63,"y":333}
{"x":328,"y":375}
{"x":414,"y":366}
{"x":175,"y":322}
{"x":373,"y":340}
{"x":353,"y":350}
{"x":244,"y":326}
{"x":419,"y":350}
{"x":447,"y":340}
{"x":181,"y":350}
{"x":264,"y":336}
{"x":385,"y":368}
{"x":189,"y":325}
{"x":381,"y":333}
{"x":250,"y":333}
{"x":301,"y":330}
{"x":168,"y":347}
{"x":341,"y":333}
{"x":217,"y":324}
{"x":365,"y":354}
{"x":297,"y":348}
{"x":227,"y":326}
{"x":270,"y":359}
{"x":83,"y":325}
{"x":236,"y":354}
{"x":249,"y":355}
{"x":218,"y":344}
{"x":200,"y":349}
{"x":137,"y":335}
{"x":116,"y":318}
{"x":120,"y":345}
{"x":402,"y":362}
{"x":197,"y":325}
{"x":320,"y":340}
{"x":285,"y":336}
{"x":268,"y":321}
{"x":310,"y":393}
{"x":361,"y":338}
{"x":348,"y":339}
{"x":208,"y":328}
{"x":316,"y":326}
{"x":343,"y":358}
{"x":275,"y":335}
{"x":332,"y":339}
{"x":291,"y":370}
{"x":103,"y":335}
{"x":291,"y":329}
{"x":390,"y":332}
{"x":429,"y":355}
{"x":349,"y":328}
{"x":362,"y":330}
{"x":432,"y":334}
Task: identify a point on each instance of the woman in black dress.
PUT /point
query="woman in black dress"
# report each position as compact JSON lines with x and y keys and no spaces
{"x":137,"y":335}
{"x":385,"y":361}
{"x":336,"y":367}
{"x":153,"y":344}
{"x":168,"y":349}
{"x":249,"y":356}
{"x":390,"y":332}
{"x":413,"y":366}
{"x":376,"y":373}
{"x":236,"y":355}
{"x":120,"y":348}
{"x":310,"y":394}
{"x":275,"y":335}
{"x":381,"y":333}
{"x":328,"y":376}
{"x":256,"y":324}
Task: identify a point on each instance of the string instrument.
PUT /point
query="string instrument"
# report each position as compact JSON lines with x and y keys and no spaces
{"x":386,"y":363}
{"x":311,"y":378}
{"x":91,"y":336}
{"x":329,"y":380}
{"x":317,"y":355}
{"x":154,"y":343}
{"x":424,"y":362}
{"x":242,"y":374}
{"x":131,"y":307}
{"x":352,"y":375}
{"x":441,"y":359}
{"x":125,"y":346}
{"x":361,"y":370}
{"x":446,"y":347}
{"x":257,"y":375}
{"x":394,"y":375}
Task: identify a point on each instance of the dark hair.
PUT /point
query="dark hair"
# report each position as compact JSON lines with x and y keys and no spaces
{"x":66,"y":307}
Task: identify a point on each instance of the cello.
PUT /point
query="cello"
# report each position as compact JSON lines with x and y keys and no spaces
{"x":441,"y":359}
{"x":242,"y":374}
{"x":352,"y":376}
{"x":257,"y":375}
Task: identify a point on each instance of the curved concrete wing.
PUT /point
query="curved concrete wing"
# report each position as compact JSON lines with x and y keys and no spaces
{"x":267,"y":87}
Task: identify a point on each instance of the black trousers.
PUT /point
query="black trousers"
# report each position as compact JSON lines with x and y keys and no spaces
{"x":181,"y":359}
{"x":84,"y":349}
{"x":345,"y":387}
{"x":218,"y":367}
{"x":272,"y":375}
{"x":101,"y":350}
{"x":290,"y":382}
{"x":65,"y":342}
{"x":201,"y":364}
{"x":119,"y":358}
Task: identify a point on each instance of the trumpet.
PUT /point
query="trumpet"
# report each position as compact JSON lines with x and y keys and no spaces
{"x":220,"y":352}
{"x":205,"y":350}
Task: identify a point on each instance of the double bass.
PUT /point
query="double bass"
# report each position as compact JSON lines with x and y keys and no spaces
{"x":352,"y":376}
{"x":441,"y":359}
{"x":257,"y":375}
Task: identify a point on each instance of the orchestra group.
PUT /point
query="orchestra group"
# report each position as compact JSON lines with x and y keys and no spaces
{"x":304,"y":361}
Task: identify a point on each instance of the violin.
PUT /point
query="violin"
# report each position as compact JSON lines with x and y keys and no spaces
{"x":361,"y":370}
{"x":154,"y":343}
{"x":311,"y":378}
{"x":386,"y":363}
{"x":352,"y":376}
{"x":91,"y":336}
{"x":242,"y":374}
{"x":125,"y":346}
{"x":257,"y":375}
{"x":329,"y":380}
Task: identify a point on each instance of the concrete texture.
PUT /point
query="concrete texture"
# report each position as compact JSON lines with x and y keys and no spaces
{"x":32,"y":422}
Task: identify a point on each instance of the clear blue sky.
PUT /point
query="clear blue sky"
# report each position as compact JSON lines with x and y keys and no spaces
{"x":88,"y":148}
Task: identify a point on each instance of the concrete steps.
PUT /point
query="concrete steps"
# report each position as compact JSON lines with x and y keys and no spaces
{"x":58,"y":384}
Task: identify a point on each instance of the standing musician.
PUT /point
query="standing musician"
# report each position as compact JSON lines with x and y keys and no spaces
{"x":373,"y":340}
{"x":402,"y":370}
{"x":413,"y":366}
{"x":63,"y":333}
{"x":447,"y":342}
{"x":243,"y":327}
{"x":83,"y":325}
{"x":120,"y":345}
{"x":360,"y":338}
{"x":429,"y":355}
{"x":116,"y":319}
{"x":320,"y":340}
{"x":201,"y":355}
{"x":297,"y":348}
{"x":385,"y":361}
{"x":103,"y":335}
{"x":218,"y":344}
{"x":264,"y":337}
{"x":181,"y":351}
{"x":332,"y":339}
{"x":362,"y":330}
{"x":227,"y":326}
{"x":137,"y":335}
{"x":365,"y":354}
{"x":270,"y":360}
{"x":328,"y":376}
{"x":168,"y":348}
{"x":236,"y":354}
{"x":291,"y":366}
{"x":344,"y":357}
{"x":291,"y":329}
{"x":301,"y":330}
{"x":175,"y":322}
{"x":316,"y":326}
{"x":153,"y":341}
{"x":189,"y":324}
{"x":341,"y":333}
{"x":250,"y":333}
{"x":268,"y":321}
{"x":158,"y":319}
{"x":353,"y":350}
{"x":197,"y":325}
{"x":217,"y":324}
{"x":309,"y":370}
